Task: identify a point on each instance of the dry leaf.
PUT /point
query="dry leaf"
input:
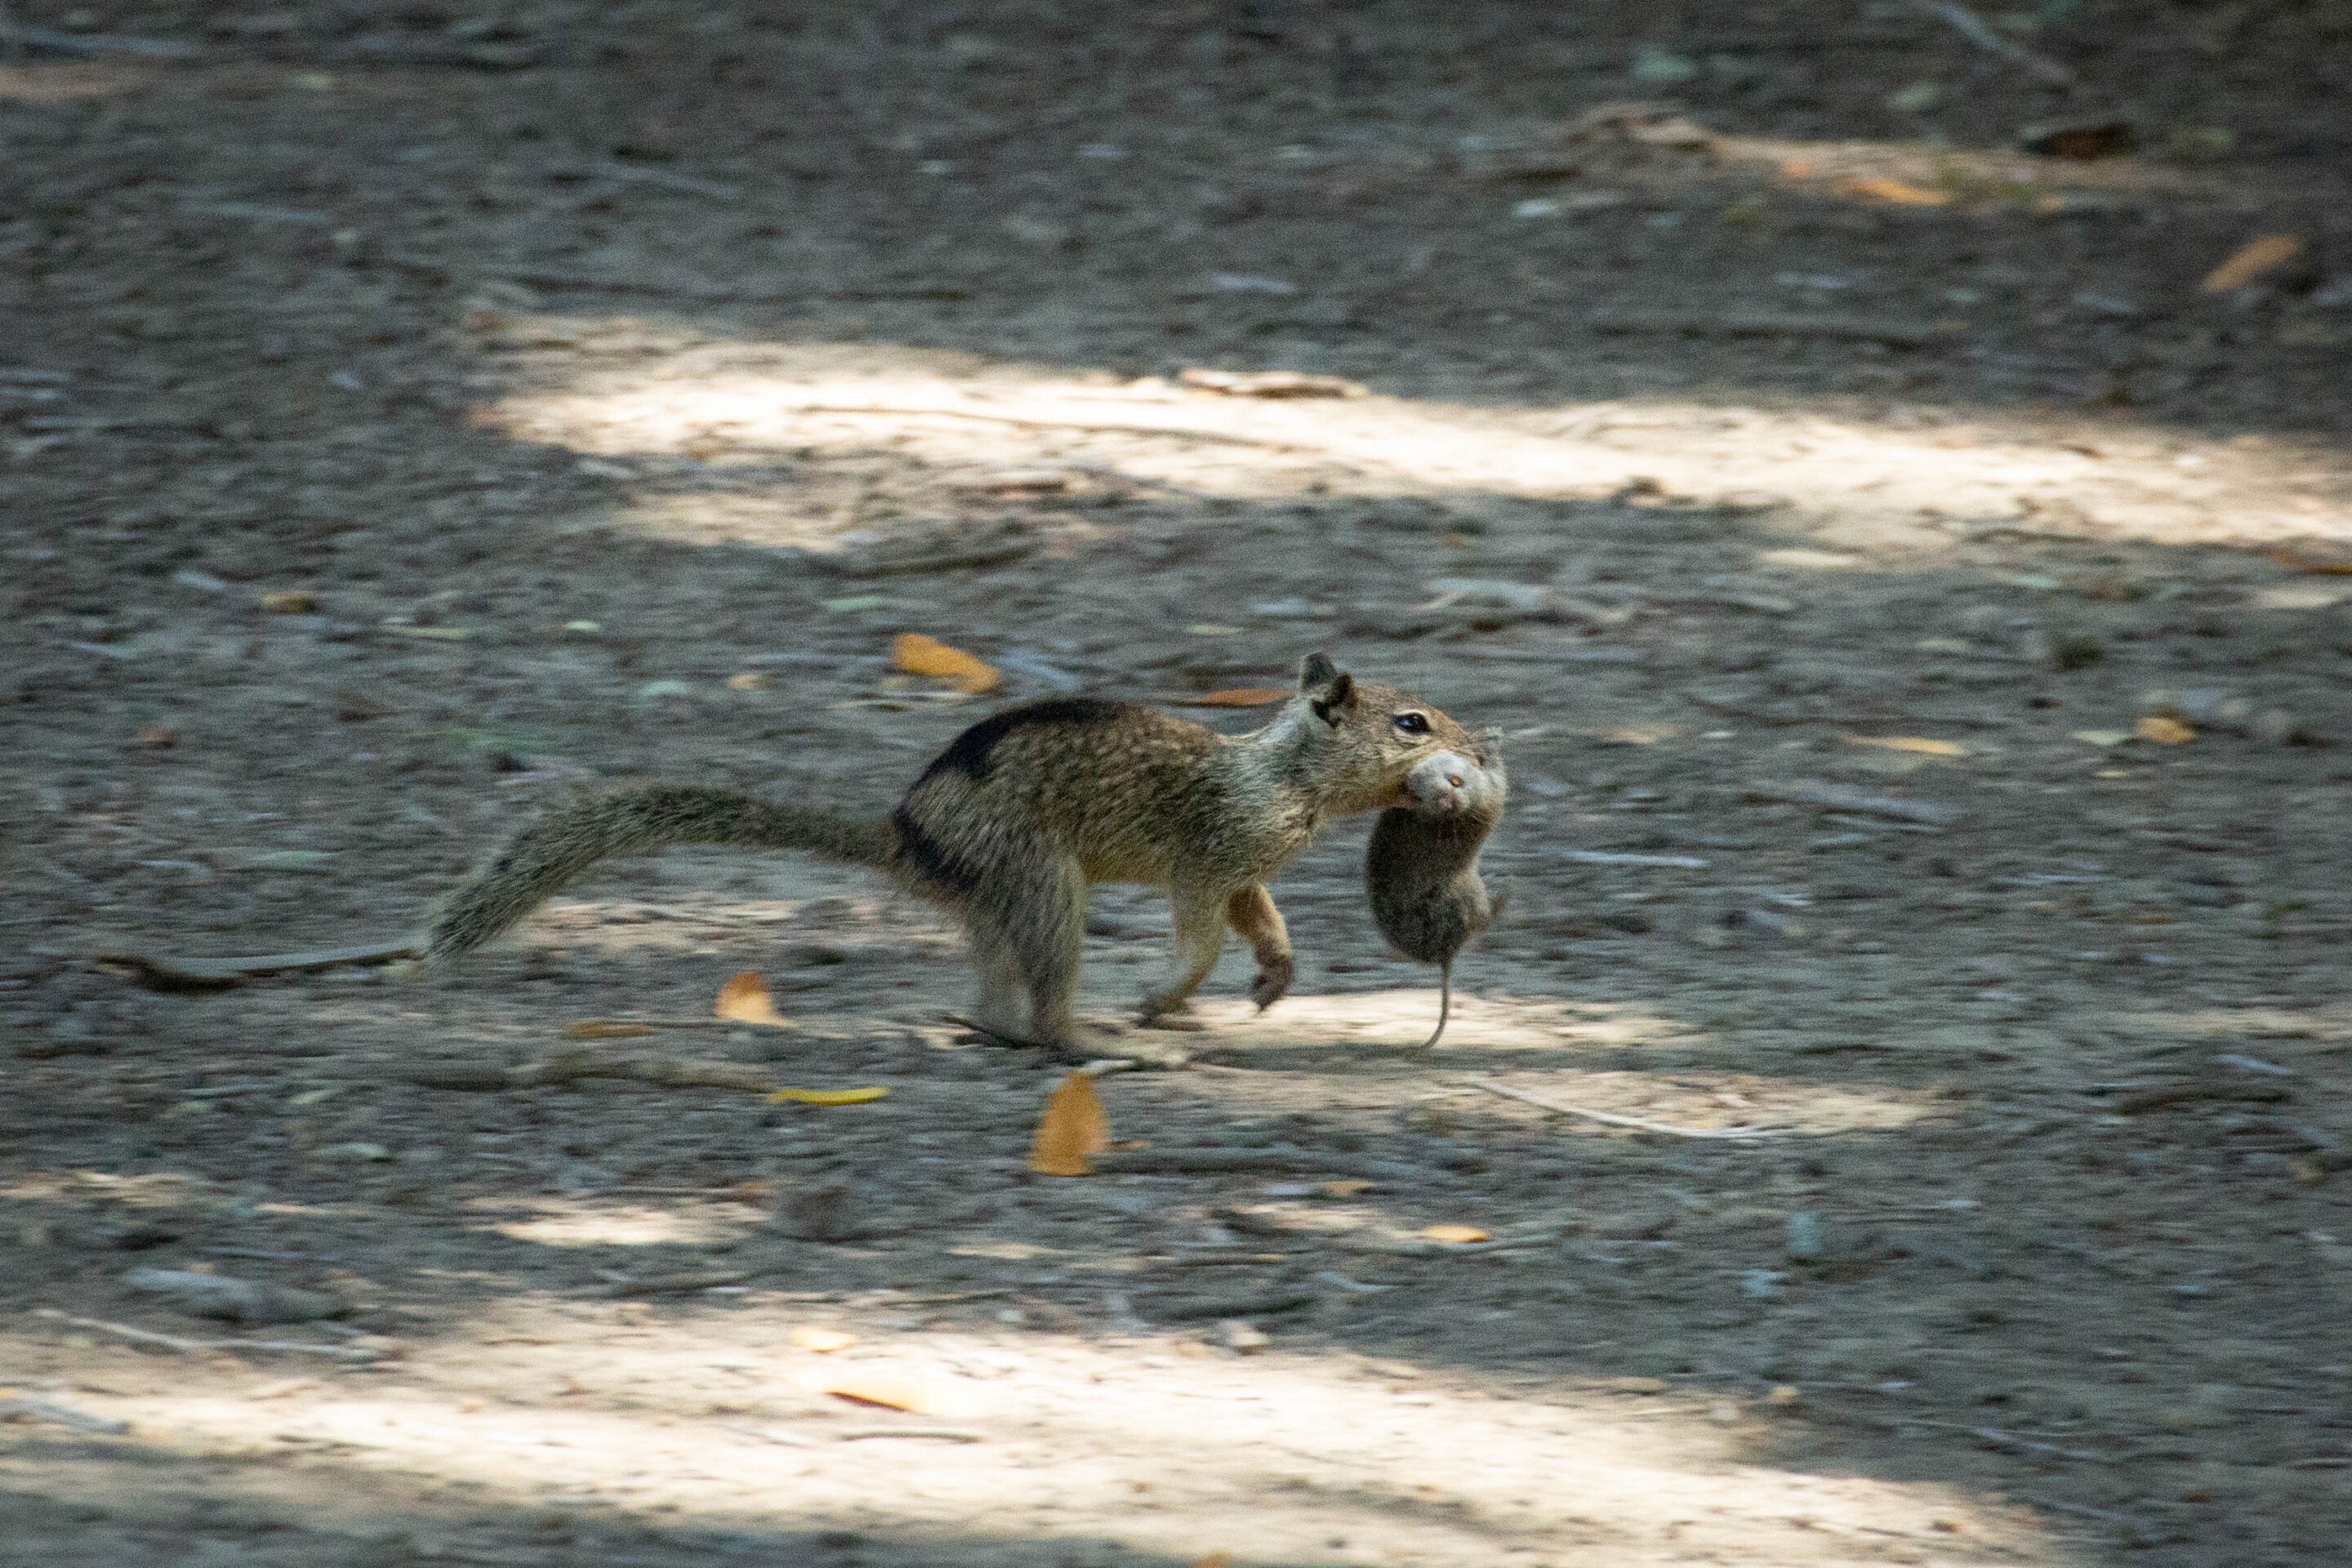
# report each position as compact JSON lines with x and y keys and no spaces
{"x":824,"y":1342}
{"x":1453,"y":1233}
{"x":877,"y":1388}
{"x":605,"y":1029}
{"x":2164,"y":732}
{"x":2251,"y":260}
{"x":1899,"y":192}
{"x":1345,"y":1188}
{"x":1917,"y":744}
{"x":745,"y":1000}
{"x":915,"y":654}
{"x":1215,"y":1560}
{"x":290,"y":602}
{"x":1074,"y":1126}
{"x":2325,"y":566}
{"x":747,"y":680}
{"x":1240,"y":697}
{"x":828,"y":1096}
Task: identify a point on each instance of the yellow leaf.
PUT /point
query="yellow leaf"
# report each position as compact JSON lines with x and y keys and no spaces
{"x":916,"y":654}
{"x":1901,"y":192}
{"x":745,"y":1000}
{"x":2164,"y":732}
{"x":290,"y":602}
{"x":1241,"y":697}
{"x":824,"y":1342}
{"x":1454,"y":1233}
{"x":828,"y":1096}
{"x":2325,"y":566}
{"x":605,"y":1029}
{"x":1917,"y":744}
{"x":1074,"y":1126}
{"x":2250,"y":260}
{"x":877,"y":1388}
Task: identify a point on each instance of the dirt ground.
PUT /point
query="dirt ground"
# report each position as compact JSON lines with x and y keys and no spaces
{"x":1898,"y":582}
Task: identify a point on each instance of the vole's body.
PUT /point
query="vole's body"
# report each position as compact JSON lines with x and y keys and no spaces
{"x":1422,"y":869}
{"x":1021,"y":813}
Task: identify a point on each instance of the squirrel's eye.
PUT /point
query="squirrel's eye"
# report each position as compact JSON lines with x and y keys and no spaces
{"x":1412,"y":724}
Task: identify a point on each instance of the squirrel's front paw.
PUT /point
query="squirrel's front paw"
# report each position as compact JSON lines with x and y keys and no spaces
{"x":1273,"y":981}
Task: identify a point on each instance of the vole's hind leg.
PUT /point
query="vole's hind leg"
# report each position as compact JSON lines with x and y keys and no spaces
{"x":1252,"y":913}
{"x":1198,"y":919}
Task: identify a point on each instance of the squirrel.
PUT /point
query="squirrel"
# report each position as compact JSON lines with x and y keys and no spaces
{"x":1010,"y":825}
{"x":1421,"y":866}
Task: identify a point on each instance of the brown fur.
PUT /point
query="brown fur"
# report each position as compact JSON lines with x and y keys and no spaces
{"x":1421,"y":868}
{"x":1022,"y":813}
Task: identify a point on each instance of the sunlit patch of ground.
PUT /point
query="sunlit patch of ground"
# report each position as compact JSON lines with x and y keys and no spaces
{"x":1909,"y":485}
{"x":568,"y":1223}
{"x":1281,"y":1457}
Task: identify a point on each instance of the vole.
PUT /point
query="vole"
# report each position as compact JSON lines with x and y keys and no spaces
{"x":1421,"y":868}
{"x":1025,"y":811}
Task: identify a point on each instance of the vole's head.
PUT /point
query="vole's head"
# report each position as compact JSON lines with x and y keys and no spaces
{"x":1450,"y":783}
{"x":1360,"y":743}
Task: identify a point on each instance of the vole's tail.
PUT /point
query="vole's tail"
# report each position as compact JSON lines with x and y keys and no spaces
{"x":1445,"y":1002}
{"x":537,"y":860}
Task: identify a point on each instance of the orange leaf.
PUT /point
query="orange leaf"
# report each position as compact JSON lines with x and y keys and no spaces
{"x":2250,"y":260}
{"x":1900,"y":192}
{"x":2164,"y":732}
{"x":1215,"y":1560}
{"x":745,"y":1000}
{"x":916,"y":654}
{"x":877,"y":1388}
{"x":1240,"y":697}
{"x":603,"y":1029}
{"x":825,"y":1342}
{"x":1454,"y":1233}
{"x":1797,"y":169}
{"x":1074,"y":1126}
{"x":1916,"y":744}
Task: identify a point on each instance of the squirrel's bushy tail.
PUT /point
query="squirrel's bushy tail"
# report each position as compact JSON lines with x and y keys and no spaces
{"x":539,"y":859}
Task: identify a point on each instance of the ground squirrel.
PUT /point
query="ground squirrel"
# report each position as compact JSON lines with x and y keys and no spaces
{"x":1421,"y":868}
{"x":1021,"y":813}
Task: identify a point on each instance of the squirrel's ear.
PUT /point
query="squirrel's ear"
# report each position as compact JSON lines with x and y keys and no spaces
{"x":1316,"y":671}
{"x":1490,"y":747}
{"x":1332,"y":703}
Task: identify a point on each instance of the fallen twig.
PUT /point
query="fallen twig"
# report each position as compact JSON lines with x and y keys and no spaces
{"x":1981,"y":33}
{"x":1613,"y":1119}
{"x":1253,"y":1162}
{"x":190,"y":1346}
{"x":676,"y":1284}
{"x":97,"y":42}
{"x":712,"y":293}
{"x":1839,"y":797}
{"x":62,"y":1415}
{"x":1775,"y":324}
{"x":1176,"y":432}
{"x":2178,"y":1093}
{"x":172,"y":969}
{"x":574,"y":1063}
